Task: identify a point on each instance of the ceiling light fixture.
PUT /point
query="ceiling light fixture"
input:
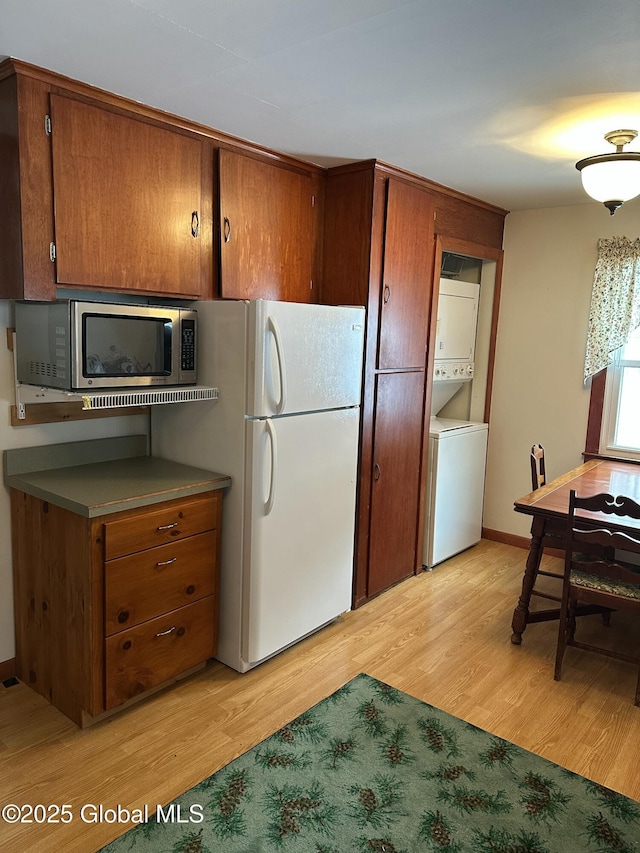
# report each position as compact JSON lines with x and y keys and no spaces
{"x":612,"y":178}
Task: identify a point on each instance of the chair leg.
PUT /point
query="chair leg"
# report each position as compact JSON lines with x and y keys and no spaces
{"x":571,"y":620}
{"x":562,"y":644}
{"x":559,"y":653}
{"x":564,"y":632}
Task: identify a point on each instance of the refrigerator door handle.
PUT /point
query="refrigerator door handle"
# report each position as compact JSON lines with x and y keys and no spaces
{"x":273,"y":328}
{"x":273,"y":442}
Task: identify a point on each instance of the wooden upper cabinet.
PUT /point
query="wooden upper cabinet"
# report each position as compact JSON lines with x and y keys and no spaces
{"x":462,"y":219}
{"x":407,"y":277}
{"x":26,"y":204}
{"x":267,"y":230}
{"x":107,"y":199}
{"x":128,"y":201}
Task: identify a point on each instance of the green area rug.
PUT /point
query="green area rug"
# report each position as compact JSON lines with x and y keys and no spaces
{"x":373,"y":769}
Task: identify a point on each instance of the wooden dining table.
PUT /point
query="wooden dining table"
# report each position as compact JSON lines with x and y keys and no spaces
{"x":549,"y":507}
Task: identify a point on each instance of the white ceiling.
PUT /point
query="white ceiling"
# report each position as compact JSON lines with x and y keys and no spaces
{"x":497,"y":98}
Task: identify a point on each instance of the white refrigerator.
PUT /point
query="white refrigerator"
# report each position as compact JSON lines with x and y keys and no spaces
{"x":455,"y":488}
{"x":286,"y":428}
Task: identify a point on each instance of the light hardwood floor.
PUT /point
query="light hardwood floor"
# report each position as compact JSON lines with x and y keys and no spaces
{"x":443,"y":636}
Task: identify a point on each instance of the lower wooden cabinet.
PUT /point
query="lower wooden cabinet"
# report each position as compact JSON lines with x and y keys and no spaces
{"x":395,"y":487}
{"x":154,"y":651}
{"x":110,"y":608}
{"x":139,"y":586}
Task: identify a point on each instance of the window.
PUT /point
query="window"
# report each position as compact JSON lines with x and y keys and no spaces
{"x":620,"y":434}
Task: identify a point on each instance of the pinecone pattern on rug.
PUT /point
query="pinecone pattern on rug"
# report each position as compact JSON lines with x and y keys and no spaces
{"x":373,"y":770}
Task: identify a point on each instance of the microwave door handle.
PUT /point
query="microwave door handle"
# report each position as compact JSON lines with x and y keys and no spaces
{"x":275,"y":330}
{"x":273,"y":444}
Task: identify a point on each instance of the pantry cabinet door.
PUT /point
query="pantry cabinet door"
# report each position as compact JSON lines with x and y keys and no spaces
{"x":267,"y":230}
{"x":395,"y":487}
{"x":130,"y":211}
{"x":407,"y":277}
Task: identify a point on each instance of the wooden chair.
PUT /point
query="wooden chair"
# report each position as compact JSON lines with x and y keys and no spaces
{"x":538,"y":472}
{"x":595,"y":575}
{"x":550,"y":535}
{"x":551,"y":539}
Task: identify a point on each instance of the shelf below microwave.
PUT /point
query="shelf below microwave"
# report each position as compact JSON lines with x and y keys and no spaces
{"x":95,"y":400}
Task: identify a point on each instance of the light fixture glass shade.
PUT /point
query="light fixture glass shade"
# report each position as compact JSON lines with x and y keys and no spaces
{"x":612,"y":179}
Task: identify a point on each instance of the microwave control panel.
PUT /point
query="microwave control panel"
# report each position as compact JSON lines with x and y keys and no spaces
{"x":188,"y":345}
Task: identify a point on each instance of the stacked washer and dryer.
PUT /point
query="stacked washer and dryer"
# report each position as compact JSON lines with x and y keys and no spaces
{"x":457,"y":448}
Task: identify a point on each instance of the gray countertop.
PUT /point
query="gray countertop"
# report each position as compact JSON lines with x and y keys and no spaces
{"x":110,"y":484}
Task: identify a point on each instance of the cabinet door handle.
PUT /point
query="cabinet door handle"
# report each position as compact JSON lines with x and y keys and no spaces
{"x":168,"y":526}
{"x":386,"y":294}
{"x":227,"y":230}
{"x":377,"y":472}
{"x":195,"y":224}
{"x":167,"y":562}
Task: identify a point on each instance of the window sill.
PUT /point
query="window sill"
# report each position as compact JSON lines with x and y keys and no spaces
{"x":635,"y":458}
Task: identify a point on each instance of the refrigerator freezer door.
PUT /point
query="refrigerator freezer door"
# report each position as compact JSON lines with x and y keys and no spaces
{"x":307,"y":357}
{"x":298,"y":551}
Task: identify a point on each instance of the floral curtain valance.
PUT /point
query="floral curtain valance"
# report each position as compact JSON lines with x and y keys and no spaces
{"x":615,"y":301}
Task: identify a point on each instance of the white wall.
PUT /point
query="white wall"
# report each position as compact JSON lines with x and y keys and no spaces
{"x":538,"y":390}
{"x":27,"y":436}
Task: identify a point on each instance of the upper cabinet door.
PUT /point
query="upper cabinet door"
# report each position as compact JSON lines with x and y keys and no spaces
{"x":407,"y":277}
{"x":267,"y":230}
{"x":128,"y":199}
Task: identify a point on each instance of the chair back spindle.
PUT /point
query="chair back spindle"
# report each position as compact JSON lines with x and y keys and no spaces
{"x":538,"y":473}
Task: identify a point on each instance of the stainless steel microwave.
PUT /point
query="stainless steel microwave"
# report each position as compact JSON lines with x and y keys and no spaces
{"x":78,"y":346}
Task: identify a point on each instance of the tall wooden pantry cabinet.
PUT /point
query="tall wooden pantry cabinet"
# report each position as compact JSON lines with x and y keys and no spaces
{"x":378,"y":252}
{"x":384,"y":233}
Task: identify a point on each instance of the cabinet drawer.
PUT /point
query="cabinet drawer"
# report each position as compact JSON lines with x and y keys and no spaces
{"x":159,"y":526}
{"x":141,"y":586}
{"x":139,"y":658}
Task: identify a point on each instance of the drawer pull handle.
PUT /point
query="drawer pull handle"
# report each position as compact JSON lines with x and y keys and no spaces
{"x":180,"y":632}
{"x":167,"y":562}
{"x":168,"y":526}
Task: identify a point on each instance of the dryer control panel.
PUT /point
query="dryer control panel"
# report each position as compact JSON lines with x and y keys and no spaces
{"x":453,"y":372}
